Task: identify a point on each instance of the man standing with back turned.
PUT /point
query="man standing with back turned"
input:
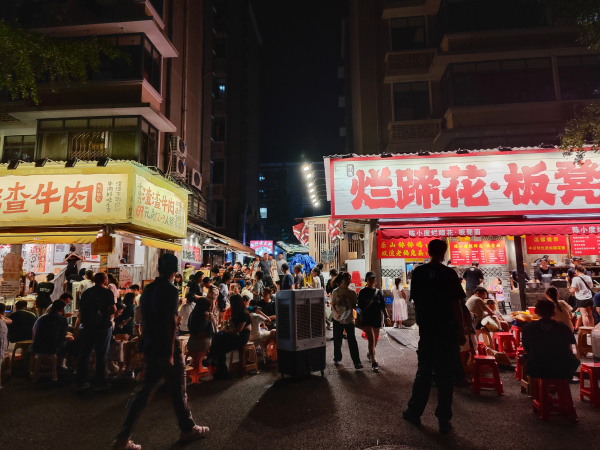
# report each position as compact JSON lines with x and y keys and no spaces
{"x":437,"y":292}
{"x":162,"y":356}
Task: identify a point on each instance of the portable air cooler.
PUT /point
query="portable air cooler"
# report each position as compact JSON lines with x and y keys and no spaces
{"x":300,"y":331}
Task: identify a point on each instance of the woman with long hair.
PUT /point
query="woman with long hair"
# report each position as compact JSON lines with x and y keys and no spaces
{"x":178,"y":283}
{"x":497,"y":288}
{"x":581,"y":288}
{"x":399,"y":311}
{"x":238,"y":334}
{"x":562,"y":313}
{"x":124,"y":323}
{"x":371,"y":304}
{"x":202,"y":323}
{"x":113,"y":285}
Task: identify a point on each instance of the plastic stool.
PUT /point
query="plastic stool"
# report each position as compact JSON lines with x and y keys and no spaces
{"x":543,"y":402}
{"x":257,"y":343}
{"x":516,"y":331}
{"x":480,"y":382}
{"x":582,"y":346}
{"x":23,"y":346}
{"x":593,"y":390}
{"x":506,"y":342}
{"x":484,"y":336}
{"x":519,"y":372}
{"x":37,"y":367}
{"x":247,"y":359}
{"x":481,"y":349}
{"x":197,"y":369}
{"x":5,"y":369}
{"x":183,"y":341}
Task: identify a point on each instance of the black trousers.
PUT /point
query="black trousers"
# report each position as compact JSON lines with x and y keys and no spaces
{"x":156,"y":368}
{"x":223,"y":343}
{"x":338,"y":338}
{"x":439,"y":354}
{"x":98,"y":340}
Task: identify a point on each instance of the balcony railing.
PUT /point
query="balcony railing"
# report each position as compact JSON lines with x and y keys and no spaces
{"x":414,"y":130}
{"x":202,"y":211}
{"x":218,"y":148}
{"x":412,"y":60}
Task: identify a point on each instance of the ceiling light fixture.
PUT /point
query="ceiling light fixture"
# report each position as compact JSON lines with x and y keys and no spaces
{"x":309,"y":176}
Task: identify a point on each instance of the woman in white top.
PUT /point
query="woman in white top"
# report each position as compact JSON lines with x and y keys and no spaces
{"x":274,"y":274}
{"x":316,"y":280}
{"x":257,"y":333}
{"x":581,"y":287}
{"x":399,"y":312}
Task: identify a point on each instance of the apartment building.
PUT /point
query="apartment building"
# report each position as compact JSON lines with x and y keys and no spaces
{"x":445,"y":75}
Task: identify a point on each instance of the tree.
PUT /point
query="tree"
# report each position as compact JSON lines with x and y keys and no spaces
{"x":28,"y":57}
{"x":583,"y":131}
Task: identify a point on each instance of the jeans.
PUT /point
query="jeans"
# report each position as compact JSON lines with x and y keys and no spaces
{"x":98,"y":340}
{"x":439,"y":354}
{"x":338,"y":338}
{"x":156,"y":368}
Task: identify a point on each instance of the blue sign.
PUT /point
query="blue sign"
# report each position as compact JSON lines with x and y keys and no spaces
{"x":389,"y":300}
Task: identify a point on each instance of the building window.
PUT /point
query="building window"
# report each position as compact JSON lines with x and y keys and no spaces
{"x":219,"y":214}
{"x":220,"y":88}
{"x":497,"y":82}
{"x":579,"y":77}
{"x":262,"y":194}
{"x":19,"y":148}
{"x":149,"y":145}
{"x":263,"y":213}
{"x":411,"y":101}
{"x":220,"y":47}
{"x":218,"y":172}
{"x":152,"y":65}
{"x":219,"y":129}
{"x":261,"y":176}
{"x":408,"y":33}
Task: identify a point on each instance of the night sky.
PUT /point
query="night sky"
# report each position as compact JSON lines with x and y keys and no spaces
{"x":300,"y":54}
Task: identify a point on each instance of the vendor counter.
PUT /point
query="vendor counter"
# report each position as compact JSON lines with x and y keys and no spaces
{"x":532,"y":295}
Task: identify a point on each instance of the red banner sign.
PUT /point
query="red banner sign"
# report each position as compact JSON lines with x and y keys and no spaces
{"x":545,"y":245}
{"x":403,"y":248}
{"x":585,"y":245}
{"x":484,"y":252}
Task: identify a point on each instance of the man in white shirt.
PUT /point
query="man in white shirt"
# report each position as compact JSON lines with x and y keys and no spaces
{"x":87,"y":283}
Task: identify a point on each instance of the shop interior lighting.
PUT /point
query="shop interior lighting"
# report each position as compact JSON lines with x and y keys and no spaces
{"x":41,"y":162}
{"x":311,"y":184}
{"x":13,"y":164}
{"x":309,"y":176}
{"x":207,"y":241}
{"x":72,"y":162}
{"x":311,"y":190}
{"x":103,"y":162}
{"x":313,"y":196}
{"x":317,"y":204}
{"x":306,"y":167}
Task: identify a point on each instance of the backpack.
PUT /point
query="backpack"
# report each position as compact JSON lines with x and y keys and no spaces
{"x":90,"y":309}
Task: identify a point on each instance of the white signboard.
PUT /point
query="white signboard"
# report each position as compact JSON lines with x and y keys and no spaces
{"x":10,"y":288}
{"x":516,"y":182}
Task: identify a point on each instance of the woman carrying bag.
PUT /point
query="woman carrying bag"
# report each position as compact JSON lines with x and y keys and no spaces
{"x":371,"y":304}
{"x":581,"y":288}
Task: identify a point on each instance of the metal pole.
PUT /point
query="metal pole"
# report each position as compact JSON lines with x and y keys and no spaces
{"x":520,"y":272}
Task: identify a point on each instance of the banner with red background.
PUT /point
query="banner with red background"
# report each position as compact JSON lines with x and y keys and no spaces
{"x":544,"y":245}
{"x":484,"y":252}
{"x":403,"y":248}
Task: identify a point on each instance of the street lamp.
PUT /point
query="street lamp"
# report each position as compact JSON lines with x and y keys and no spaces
{"x":306,"y":167}
{"x":311,"y":190}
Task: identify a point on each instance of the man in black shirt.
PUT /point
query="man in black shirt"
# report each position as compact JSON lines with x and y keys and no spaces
{"x":68,"y":285}
{"x":50,"y":331}
{"x":96,"y":307}
{"x":474,"y":277}
{"x":162,"y":355}
{"x":514,"y":277}
{"x":44,"y":291}
{"x":267,"y":305}
{"x":437,"y":292}
{"x":23,"y":320}
{"x":544,"y":273}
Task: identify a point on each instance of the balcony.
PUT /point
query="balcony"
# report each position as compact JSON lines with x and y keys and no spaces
{"x":409,"y":8}
{"x":220,"y":67}
{"x":219,"y":107}
{"x":409,"y":65}
{"x":218,"y":191}
{"x":414,"y":130}
{"x":218,"y":150}
{"x":202,"y":211}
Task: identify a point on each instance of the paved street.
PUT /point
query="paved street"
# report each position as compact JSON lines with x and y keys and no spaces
{"x":345,"y":409}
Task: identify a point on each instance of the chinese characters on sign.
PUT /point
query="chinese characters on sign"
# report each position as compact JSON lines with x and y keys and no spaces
{"x":56,"y":198}
{"x":585,"y":245}
{"x":485,"y":252}
{"x":504,"y":183}
{"x":403,"y":248}
{"x":545,"y":245}
{"x":159,"y":207}
{"x":262,"y":247}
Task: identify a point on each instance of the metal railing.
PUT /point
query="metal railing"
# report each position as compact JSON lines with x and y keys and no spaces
{"x":202,"y":211}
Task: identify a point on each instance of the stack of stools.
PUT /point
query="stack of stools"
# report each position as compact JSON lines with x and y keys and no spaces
{"x":516,"y":331}
{"x":506,"y":342}
{"x":520,"y":372}
{"x":41,"y":368}
{"x":484,"y":336}
{"x":545,"y":404}
{"x":582,"y":346}
{"x":593,"y":391}
{"x":479,"y":382}
{"x":247,"y":359}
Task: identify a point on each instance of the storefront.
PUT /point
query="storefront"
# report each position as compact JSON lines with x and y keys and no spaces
{"x":44,"y":210}
{"x":499,"y":208}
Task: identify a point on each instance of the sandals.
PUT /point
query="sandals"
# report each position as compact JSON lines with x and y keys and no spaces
{"x":198,"y":432}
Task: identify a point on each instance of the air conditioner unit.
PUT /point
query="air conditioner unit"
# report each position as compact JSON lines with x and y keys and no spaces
{"x":300,"y":331}
{"x":178,"y":147}
{"x":178,"y":168}
{"x":195,"y":179}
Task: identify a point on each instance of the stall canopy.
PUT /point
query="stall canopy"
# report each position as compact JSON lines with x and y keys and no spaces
{"x":220,"y":240}
{"x":157,"y":243}
{"x":490,"y":227}
{"x":50,"y":237}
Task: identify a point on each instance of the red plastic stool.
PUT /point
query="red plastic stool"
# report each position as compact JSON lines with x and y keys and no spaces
{"x":506,"y":342}
{"x":480,"y":382}
{"x":481,"y":349}
{"x":593,"y":390}
{"x":198,"y":370}
{"x":545,"y":404}
{"x":516,"y":331}
{"x":519,"y":371}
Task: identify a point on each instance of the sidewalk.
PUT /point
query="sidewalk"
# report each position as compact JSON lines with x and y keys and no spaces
{"x":404,"y":336}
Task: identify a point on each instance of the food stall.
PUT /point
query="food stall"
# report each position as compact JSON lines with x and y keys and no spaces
{"x":490,"y":206}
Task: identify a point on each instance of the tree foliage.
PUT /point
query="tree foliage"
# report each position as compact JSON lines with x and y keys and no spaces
{"x":28,"y":57}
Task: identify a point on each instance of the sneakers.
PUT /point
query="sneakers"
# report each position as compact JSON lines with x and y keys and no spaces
{"x":358,"y":365}
{"x":126,"y":445}
{"x":402,"y":327}
{"x":375,"y":365}
{"x":395,"y":325}
{"x":445,"y":427}
{"x":83,"y":387}
{"x":197,"y":432}
{"x":102,"y":387}
{"x":416,"y":421}
{"x":337,"y":363}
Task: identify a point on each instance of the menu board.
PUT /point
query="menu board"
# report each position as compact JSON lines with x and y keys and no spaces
{"x":404,"y":248}
{"x":484,"y":252}
{"x":587,"y":244}
{"x":545,"y":245}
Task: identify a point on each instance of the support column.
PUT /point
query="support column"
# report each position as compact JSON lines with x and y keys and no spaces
{"x":520,"y":272}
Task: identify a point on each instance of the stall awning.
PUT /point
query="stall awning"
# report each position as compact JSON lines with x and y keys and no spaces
{"x":489,"y":228}
{"x":50,"y":237}
{"x":157,"y":243}
{"x":220,"y":240}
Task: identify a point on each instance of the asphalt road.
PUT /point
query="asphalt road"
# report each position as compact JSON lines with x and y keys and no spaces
{"x":345,"y":409}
